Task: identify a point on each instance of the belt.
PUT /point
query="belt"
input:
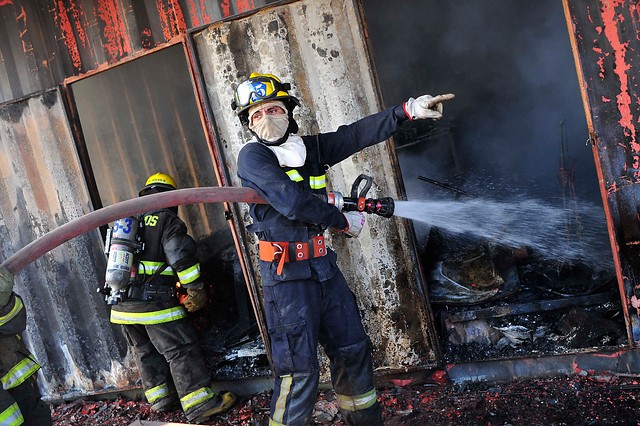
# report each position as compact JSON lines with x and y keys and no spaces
{"x":151,"y":292}
{"x":284,"y":251}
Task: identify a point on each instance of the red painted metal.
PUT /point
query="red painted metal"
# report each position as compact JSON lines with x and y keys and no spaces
{"x":606,"y":43}
{"x":66,"y":25}
{"x":171,"y":18}
{"x":117,"y":42}
{"x":612,"y":21}
{"x":244,"y":5}
{"x":225,"y":5}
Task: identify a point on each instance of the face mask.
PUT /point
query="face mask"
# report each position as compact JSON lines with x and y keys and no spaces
{"x":271,"y":127}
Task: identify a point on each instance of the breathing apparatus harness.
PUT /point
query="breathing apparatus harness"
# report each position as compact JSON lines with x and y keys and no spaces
{"x":123,"y":245}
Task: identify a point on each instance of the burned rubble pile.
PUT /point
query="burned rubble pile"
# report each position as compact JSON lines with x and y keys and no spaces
{"x":579,"y":400}
{"x":227,"y":330}
{"x":495,"y":302}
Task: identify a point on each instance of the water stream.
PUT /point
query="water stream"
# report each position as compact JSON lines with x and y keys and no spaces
{"x":564,"y":235}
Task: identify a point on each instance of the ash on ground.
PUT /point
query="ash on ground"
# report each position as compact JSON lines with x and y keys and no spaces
{"x":582,"y":399}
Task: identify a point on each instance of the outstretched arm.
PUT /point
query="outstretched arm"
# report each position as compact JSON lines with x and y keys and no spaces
{"x":347,"y":140}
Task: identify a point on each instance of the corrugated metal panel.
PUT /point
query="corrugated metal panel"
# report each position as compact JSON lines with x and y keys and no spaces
{"x":318,"y":46}
{"x":42,"y":188}
{"x":606,"y":42}
{"x":141,"y":118}
{"x":42,"y":42}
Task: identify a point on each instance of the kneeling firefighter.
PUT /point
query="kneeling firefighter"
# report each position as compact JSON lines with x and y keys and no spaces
{"x":20,"y":401}
{"x":171,"y":364}
{"x":306,"y":297}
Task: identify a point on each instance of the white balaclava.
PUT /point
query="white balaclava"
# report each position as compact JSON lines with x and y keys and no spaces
{"x":270,"y":128}
{"x":291,"y":152}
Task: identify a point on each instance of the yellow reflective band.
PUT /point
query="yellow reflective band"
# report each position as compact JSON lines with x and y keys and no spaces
{"x":281,"y":403}
{"x":196,"y":398}
{"x":17,"y":307}
{"x":11,"y":416}
{"x":318,"y":182}
{"x":189,"y":275}
{"x":357,"y":402}
{"x":274,"y":423}
{"x":157,"y":393}
{"x":294,"y":175}
{"x":149,"y":268}
{"x":19,"y":373}
{"x":155,"y":317}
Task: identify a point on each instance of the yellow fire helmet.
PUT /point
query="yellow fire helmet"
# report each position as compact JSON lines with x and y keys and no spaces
{"x":158,"y":182}
{"x":259,"y":88}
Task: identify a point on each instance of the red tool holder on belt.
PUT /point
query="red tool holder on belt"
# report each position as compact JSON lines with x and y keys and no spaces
{"x":283,"y":252}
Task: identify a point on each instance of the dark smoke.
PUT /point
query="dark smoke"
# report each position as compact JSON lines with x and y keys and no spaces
{"x":517,"y":127}
{"x":511,"y":67}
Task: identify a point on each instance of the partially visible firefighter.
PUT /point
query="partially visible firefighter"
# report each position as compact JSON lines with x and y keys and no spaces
{"x":171,"y":364}
{"x":20,"y":401}
{"x":306,"y":297}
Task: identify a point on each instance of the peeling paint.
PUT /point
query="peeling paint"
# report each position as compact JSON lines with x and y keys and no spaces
{"x":66,"y":25}
{"x":179,"y":21}
{"x":244,"y":5}
{"x":171,"y":19}
{"x":611,"y":21}
{"x":195,"y":9}
{"x":225,"y":5}
{"x":146,"y":38}
{"x":118,"y":42}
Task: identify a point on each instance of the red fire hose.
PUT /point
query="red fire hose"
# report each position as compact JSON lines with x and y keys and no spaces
{"x":90,"y":221}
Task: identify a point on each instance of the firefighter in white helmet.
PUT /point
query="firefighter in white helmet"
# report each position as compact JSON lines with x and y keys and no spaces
{"x":20,"y":401}
{"x":307,"y":300}
{"x":171,"y":364}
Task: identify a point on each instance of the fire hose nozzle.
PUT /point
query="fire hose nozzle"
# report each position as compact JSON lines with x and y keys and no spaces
{"x":381,"y":206}
{"x":335,"y":198}
{"x":357,"y":202}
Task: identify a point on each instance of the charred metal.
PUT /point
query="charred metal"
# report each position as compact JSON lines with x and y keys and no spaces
{"x":542,"y":141}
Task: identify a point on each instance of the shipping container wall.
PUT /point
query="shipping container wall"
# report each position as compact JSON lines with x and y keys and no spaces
{"x":42,"y":42}
{"x":606,"y":42}
{"x":319,"y":47}
{"x":68,"y":327}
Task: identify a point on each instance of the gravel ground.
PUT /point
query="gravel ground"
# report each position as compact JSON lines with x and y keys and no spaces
{"x":578,"y":400}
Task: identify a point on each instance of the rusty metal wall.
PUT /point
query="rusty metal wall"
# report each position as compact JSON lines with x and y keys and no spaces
{"x":319,"y":47}
{"x":42,"y":188}
{"x":42,"y":42}
{"x":606,"y":42}
{"x":140,"y":118}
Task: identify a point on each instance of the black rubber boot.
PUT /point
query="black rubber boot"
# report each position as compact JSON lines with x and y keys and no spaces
{"x":168,"y":403}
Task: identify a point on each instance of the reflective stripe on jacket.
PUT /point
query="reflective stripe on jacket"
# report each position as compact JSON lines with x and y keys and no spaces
{"x":16,"y":362}
{"x":19,"y":373}
{"x":148,"y":318}
{"x":11,"y":415}
{"x":166,"y":245}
